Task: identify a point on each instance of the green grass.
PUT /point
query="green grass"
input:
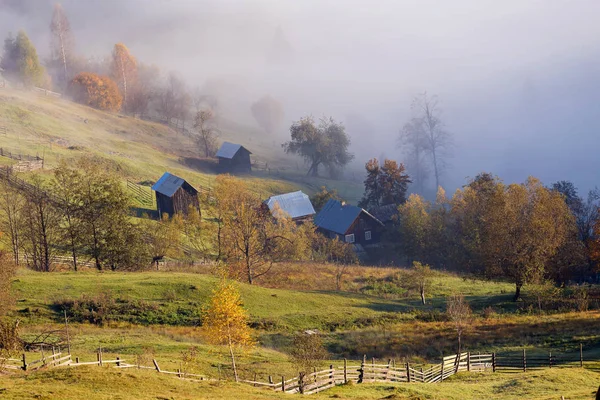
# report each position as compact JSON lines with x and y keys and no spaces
{"x":140,"y":150}
{"x":105,"y":383}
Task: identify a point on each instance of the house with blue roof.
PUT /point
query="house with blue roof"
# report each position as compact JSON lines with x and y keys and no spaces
{"x":175,"y":195}
{"x":349,"y":223}
{"x":233,"y":158}
{"x":296,"y":205}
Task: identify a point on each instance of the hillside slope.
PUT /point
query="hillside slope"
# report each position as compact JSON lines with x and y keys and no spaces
{"x":140,"y":150}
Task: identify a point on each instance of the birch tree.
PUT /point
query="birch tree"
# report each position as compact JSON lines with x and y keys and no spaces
{"x":123,"y":70}
{"x":62,"y":44}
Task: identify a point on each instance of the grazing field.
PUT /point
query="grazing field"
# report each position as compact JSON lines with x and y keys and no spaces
{"x":142,"y":150}
{"x":105,"y":383}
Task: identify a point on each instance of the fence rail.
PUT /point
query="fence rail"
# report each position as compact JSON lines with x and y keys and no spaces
{"x":47,"y":92}
{"x":141,"y":194}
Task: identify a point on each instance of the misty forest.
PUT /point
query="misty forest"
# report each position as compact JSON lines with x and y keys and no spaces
{"x":236,"y":199}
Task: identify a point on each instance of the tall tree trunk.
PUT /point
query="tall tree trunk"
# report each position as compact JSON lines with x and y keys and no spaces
{"x":423,"y":294}
{"x":518,"y":287}
{"x":235,"y":374}
{"x":435,"y":169}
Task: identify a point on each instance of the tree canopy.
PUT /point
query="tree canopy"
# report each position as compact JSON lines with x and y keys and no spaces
{"x":20,"y":62}
{"x":324,"y":144}
{"x":269,"y":113}
{"x":96,"y":91}
{"x":386,"y":184}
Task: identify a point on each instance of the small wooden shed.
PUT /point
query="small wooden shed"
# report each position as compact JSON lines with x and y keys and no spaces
{"x":233,"y":158}
{"x":175,"y":195}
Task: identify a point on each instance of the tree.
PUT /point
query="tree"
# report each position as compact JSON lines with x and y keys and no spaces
{"x":163,"y":237}
{"x":143,"y":90}
{"x":384,"y":185}
{"x":20,"y":61}
{"x":320,"y":198}
{"x":96,"y":91}
{"x":62,"y":44}
{"x":225,"y":321}
{"x":412,"y":141}
{"x":41,"y":227}
{"x":459,"y":312}
{"x":123,"y":70}
{"x":420,"y":278}
{"x":269,"y":113}
{"x":173,"y":99}
{"x":307,"y":353}
{"x":11,"y":217}
{"x":250,"y":239}
{"x":414,"y":222}
{"x":326,"y":144}
{"x":7,"y":272}
{"x":206,"y":137}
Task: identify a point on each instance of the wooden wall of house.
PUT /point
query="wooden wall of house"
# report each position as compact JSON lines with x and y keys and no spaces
{"x":239,"y":163}
{"x":363,"y":224}
{"x":164,"y":204}
{"x":179,"y":203}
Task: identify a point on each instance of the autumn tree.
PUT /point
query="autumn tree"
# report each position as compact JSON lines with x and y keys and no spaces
{"x":96,"y":91}
{"x":460,"y":314}
{"x":307,"y":352}
{"x":324,"y":144}
{"x":420,"y":278}
{"x":320,"y":198}
{"x":413,"y":225}
{"x":269,"y":113}
{"x":123,"y":70}
{"x":225,"y":322}
{"x":206,"y":132}
{"x":62,"y":45}
{"x":386,"y":184}
{"x":7,"y":272}
{"x":20,"y":62}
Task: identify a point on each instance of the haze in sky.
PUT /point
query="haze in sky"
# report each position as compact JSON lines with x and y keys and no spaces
{"x":518,"y":81}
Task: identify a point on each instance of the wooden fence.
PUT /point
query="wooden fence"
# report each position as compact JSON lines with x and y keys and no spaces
{"x":25,"y":162}
{"x":46,"y":92}
{"x":3,"y":131}
{"x":141,"y":193}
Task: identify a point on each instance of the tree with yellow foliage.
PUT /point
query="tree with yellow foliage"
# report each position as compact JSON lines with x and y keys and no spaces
{"x":95,"y":91}
{"x":225,"y":321}
{"x":123,"y":69}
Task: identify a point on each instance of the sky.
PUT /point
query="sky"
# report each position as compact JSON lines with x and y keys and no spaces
{"x":517,"y":80}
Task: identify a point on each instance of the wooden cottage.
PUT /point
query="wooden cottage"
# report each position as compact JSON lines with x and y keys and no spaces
{"x":296,"y":205}
{"x":233,"y":158}
{"x":175,"y":195}
{"x":348,"y":223}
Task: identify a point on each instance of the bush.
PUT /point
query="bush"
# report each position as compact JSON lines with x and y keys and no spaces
{"x":104,"y":308}
{"x":96,"y":91}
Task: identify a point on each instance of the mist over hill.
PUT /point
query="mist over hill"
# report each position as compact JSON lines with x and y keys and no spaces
{"x":517,"y":81}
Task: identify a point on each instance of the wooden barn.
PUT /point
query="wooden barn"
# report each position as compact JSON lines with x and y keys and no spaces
{"x":174,"y":195}
{"x":233,"y":158}
{"x":348,"y":223}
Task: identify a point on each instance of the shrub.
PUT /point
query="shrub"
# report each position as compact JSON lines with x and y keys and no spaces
{"x":96,"y":91}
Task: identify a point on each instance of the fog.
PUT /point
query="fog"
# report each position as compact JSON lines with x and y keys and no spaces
{"x":517,"y":80}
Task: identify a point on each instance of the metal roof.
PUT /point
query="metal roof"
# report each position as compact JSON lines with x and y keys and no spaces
{"x":338,"y":217}
{"x":295,"y":204}
{"x":168,"y":184}
{"x":228,"y":150}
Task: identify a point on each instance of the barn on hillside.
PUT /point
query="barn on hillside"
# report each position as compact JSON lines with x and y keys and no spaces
{"x":174,"y":195}
{"x":349,"y":223}
{"x":233,"y":158}
{"x":296,"y":204}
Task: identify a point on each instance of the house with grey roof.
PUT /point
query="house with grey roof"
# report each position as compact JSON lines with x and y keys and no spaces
{"x":233,"y":158}
{"x":174,"y":195}
{"x":296,"y":205}
{"x":349,"y":223}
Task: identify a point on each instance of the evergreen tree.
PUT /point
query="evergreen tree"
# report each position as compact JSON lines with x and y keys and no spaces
{"x":20,"y":61}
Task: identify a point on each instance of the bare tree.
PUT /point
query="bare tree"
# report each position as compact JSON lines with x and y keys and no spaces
{"x":62,"y":41}
{"x":206,"y":136}
{"x":460,"y":314}
{"x":412,"y":141}
{"x":11,"y":217}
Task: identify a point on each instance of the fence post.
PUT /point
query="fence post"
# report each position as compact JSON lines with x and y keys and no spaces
{"x":550,"y":359}
{"x":581,"y":355}
{"x":468,"y":361}
{"x":254,"y":380}
{"x":98,"y":357}
{"x":156,"y":365}
{"x":24,"y":363}
{"x":524,"y":361}
{"x":407,"y":372}
{"x":76,"y":360}
{"x":118,"y":361}
{"x":345,"y":371}
{"x":331,"y":374}
{"x":442,"y":370}
{"x":282,"y":383}
{"x":270,"y":379}
{"x":361,"y":372}
{"x":494,"y":362}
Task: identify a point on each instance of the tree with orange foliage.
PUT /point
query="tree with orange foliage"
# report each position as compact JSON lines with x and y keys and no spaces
{"x":123,"y":69}
{"x":225,"y":321}
{"x":96,"y":91}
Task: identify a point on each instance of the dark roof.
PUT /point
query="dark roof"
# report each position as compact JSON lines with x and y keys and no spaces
{"x":229,"y":150}
{"x":168,"y":184}
{"x":337,"y":217}
{"x":385,"y":213}
{"x":295,"y":204}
